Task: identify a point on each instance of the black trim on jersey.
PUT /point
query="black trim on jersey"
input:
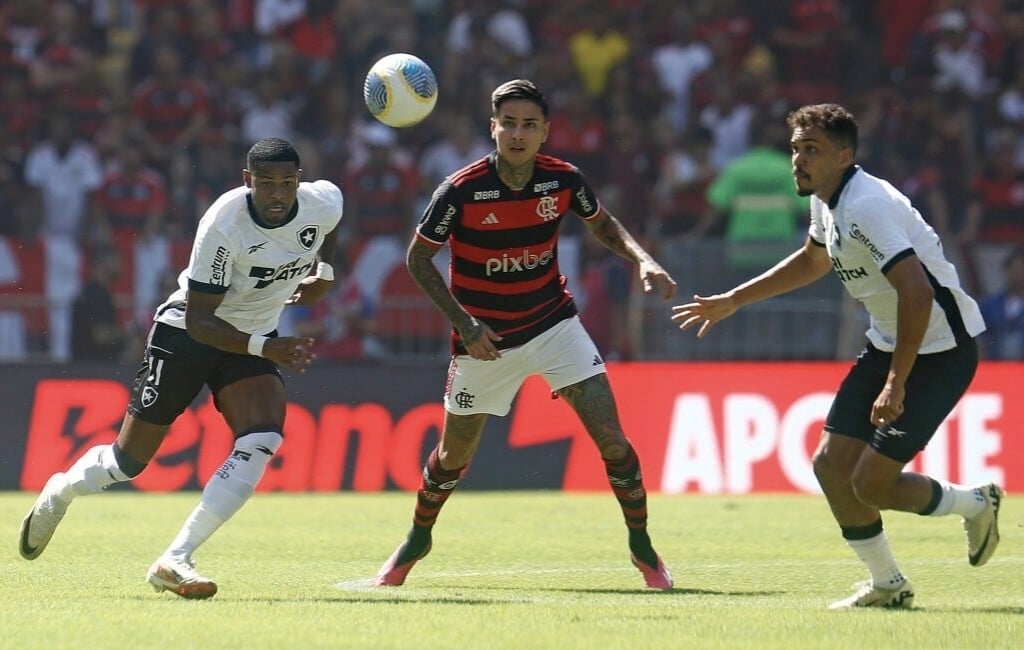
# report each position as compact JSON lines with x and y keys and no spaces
{"x":896,"y":258}
{"x":816,"y":242}
{"x":947,"y":301}
{"x":847,"y":175}
{"x":512,"y":303}
{"x":509,"y":238}
{"x":177,"y":304}
{"x":203,"y":287}
{"x":262,"y":224}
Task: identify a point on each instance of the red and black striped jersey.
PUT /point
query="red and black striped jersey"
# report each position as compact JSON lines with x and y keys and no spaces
{"x":504,"y":244}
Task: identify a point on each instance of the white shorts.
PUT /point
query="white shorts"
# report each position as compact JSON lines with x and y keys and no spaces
{"x":564,"y":355}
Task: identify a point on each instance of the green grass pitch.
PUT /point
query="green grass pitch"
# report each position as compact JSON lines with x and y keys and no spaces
{"x":516,"y":570}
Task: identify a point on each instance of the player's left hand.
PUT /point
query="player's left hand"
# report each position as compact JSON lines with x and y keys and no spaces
{"x":657,"y":281}
{"x":310,"y":291}
{"x":292,"y":352}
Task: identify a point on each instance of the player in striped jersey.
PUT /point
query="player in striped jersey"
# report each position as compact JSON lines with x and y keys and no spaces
{"x":920,"y":357}
{"x":513,"y":317}
{"x":256,"y":249}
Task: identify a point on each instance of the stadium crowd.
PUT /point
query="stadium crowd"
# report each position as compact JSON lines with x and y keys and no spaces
{"x":124,"y":118}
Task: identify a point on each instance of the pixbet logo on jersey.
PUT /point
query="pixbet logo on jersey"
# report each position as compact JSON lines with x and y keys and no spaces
{"x":525,"y":261}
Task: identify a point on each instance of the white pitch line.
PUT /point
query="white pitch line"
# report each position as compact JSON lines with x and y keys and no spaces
{"x":367,"y":584}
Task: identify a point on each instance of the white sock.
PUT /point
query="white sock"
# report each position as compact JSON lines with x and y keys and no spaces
{"x":958,"y":500}
{"x":877,"y":556}
{"x":93,"y":472}
{"x":227,"y":490}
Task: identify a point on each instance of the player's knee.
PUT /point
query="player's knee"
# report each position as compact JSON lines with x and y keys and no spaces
{"x":826,"y":469}
{"x":870,"y":490}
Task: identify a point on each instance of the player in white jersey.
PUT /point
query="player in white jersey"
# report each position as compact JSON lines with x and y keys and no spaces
{"x":257,"y":248}
{"x":920,"y":356}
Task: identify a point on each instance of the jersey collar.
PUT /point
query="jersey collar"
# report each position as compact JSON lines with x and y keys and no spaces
{"x":847,"y":175}
{"x":262,"y":224}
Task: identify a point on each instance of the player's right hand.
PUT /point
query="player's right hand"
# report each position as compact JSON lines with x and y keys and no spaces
{"x":704,"y":311}
{"x":479,"y":340}
{"x":292,"y":352}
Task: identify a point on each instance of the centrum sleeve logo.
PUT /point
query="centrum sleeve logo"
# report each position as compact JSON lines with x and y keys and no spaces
{"x":218,"y":270}
{"x":857,"y":235}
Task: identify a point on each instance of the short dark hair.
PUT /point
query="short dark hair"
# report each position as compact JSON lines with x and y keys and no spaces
{"x":837,"y":122}
{"x":271,"y":150}
{"x":518,"y":89}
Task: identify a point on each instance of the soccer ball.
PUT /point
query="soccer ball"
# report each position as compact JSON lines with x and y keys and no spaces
{"x":400,"y":90}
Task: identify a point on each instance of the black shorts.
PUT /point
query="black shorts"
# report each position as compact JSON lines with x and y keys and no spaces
{"x":935,"y":385}
{"x":176,"y":368}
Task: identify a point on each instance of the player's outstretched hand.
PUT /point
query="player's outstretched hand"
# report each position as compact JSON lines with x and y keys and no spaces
{"x":292,"y":352}
{"x":310,"y":291}
{"x":657,"y":281}
{"x":704,"y":311}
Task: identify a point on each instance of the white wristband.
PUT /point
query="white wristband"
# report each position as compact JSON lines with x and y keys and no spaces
{"x":256,"y":343}
{"x":325,"y":271}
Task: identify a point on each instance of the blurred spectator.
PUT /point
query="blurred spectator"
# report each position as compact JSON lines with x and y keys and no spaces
{"x":728,"y":118}
{"x":755,"y":196}
{"x":342,"y":323}
{"x":20,"y":216}
{"x":166,"y":28}
{"x":461,"y":145}
{"x":272,"y":112}
{"x":271,"y":17}
{"x":806,"y":35}
{"x":685,"y":171}
{"x":1004,"y":312}
{"x":20,"y":111}
{"x":604,"y":289}
{"x":630,"y":164}
{"x":993,"y":219}
{"x":677,"y":63}
{"x":22,"y":29}
{"x":596,"y":49}
{"x":131,"y":202}
{"x":66,"y":171}
{"x":171,"y":106}
{"x":209,"y":45}
{"x":96,"y":333}
{"x":577,"y":131}
{"x":380,"y":192}
{"x":63,"y":56}
{"x":130,"y":213}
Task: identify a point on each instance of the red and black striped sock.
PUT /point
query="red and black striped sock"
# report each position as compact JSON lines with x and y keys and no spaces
{"x":627,"y":483}
{"x":438,"y":484}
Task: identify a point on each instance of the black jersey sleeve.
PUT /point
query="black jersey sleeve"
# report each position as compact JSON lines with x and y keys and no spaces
{"x":442,"y":214}
{"x":584,"y":201}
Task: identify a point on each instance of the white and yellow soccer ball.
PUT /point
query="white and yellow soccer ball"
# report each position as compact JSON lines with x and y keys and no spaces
{"x":400,"y":90}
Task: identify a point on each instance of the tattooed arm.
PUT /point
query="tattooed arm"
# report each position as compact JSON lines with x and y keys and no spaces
{"x":613,"y":235}
{"x":476,"y":336}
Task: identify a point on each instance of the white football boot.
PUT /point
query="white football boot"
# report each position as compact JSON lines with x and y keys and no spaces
{"x":40,"y":522}
{"x":868,"y":595}
{"x":983,"y":528}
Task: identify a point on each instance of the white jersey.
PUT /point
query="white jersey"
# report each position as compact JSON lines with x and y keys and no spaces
{"x":257,"y":267}
{"x":870,"y":227}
